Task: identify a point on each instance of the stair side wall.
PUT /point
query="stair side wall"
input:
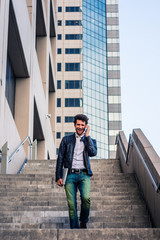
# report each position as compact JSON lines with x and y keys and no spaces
{"x":136,"y":166}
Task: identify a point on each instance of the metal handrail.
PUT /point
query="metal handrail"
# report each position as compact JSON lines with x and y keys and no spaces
{"x":131,"y":139}
{"x":129,"y":145}
{"x":0,"y":155}
{"x":18,"y":148}
{"x":120,"y":143}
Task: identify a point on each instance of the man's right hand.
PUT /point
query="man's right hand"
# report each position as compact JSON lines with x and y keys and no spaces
{"x":60,"y":182}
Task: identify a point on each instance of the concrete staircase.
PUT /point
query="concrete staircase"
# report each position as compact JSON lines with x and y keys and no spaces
{"x":32,"y":206}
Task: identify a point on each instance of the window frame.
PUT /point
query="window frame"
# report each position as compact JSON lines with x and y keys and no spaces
{"x":73,"y":9}
{"x":59,"y":82}
{"x":73,"y":22}
{"x":58,"y":119}
{"x":59,"y":67}
{"x":73,"y":36}
{"x":59,"y":50}
{"x":73,"y":102}
{"x":70,"y":83}
{"x":58,"y":102}
{"x":59,"y":36}
{"x":60,"y":8}
{"x":73,"y":67}
{"x":58,"y":135}
{"x":59,"y":22}
{"x":69,"y":119}
{"x":73,"y":50}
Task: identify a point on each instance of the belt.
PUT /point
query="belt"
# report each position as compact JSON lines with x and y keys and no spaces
{"x":77,"y":170}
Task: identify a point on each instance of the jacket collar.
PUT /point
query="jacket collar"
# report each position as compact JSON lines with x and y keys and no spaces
{"x":77,"y":136}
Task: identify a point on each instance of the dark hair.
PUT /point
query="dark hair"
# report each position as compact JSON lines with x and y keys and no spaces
{"x":81,"y":117}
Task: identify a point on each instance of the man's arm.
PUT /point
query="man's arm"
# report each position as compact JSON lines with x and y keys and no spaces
{"x":59,"y":164}
{"x":90,"y":143}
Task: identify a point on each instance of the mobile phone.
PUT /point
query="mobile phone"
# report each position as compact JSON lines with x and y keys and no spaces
{"x":85,"y":129}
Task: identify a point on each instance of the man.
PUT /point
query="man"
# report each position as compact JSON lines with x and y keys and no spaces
{"x":74,"y":152}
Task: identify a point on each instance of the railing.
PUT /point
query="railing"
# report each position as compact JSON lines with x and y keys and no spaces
{"x":138,"y":157}
{"x":126,"y":158}
{"x":19,"y":147}
{"x":4,"y":159}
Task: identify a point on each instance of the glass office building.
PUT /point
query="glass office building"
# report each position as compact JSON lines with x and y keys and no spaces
{"x":88,"y":70}
{"x":95,"y":101}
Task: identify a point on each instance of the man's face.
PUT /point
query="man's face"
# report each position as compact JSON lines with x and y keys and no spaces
{"x":80,"y":127}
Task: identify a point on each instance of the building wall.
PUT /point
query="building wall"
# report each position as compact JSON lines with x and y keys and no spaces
{"x":114,"y":84}
{"x":27,"y":43}
{"x":63,"y":75}
{"x":100,"y":70}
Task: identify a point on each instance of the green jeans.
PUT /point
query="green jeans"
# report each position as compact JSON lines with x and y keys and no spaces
{"x":79,"y":181}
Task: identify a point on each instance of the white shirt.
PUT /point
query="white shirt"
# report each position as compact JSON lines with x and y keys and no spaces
{"x":78,"y":162}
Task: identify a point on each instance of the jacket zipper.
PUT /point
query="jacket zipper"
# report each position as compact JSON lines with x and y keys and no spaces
{"x":73,"y":151}
{"x":85,"y":159}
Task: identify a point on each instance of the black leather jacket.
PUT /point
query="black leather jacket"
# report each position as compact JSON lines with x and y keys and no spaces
{"x":66,"y":150}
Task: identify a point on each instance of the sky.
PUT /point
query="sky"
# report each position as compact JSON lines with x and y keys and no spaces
{"x":139,"y":22}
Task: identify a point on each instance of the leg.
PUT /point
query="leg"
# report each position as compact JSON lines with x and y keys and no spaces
{"x":71,"y":193}
{"x":84,"y":188}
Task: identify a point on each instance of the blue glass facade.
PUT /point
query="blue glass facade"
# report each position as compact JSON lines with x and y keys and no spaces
{"x":95,"y":82}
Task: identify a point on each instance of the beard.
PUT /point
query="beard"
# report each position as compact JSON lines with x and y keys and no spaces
{"x":80,"y":131}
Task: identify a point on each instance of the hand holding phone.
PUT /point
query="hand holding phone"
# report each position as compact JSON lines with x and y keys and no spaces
{"x":87,"y":129}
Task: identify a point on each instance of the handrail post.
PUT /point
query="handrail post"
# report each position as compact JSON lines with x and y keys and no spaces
{"x":34,"y":150}
{"x":4,"y":160}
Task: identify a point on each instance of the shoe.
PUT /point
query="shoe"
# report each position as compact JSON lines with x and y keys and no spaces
{"x":83,"y":225}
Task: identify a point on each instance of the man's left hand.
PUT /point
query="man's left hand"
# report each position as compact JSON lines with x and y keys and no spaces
{"x":87,"y":131}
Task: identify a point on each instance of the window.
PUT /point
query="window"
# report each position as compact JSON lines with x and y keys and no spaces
{"x":58,"y":119}
{"x":72,"y":66}
{"x":59,"y":9}
{"x":73,"y":23}
{"x":59,"y":50}
{"x":73,"y":36}
{"x":58,"y":84}
{"x":59,"y":37}
{"x":73,"y":9}
{"x":73,"y":50}
{"x":59,"y":67}
{"x":10,"y":87}
{"x":58,"y":135}
{"x":57,"y":151}
{"x":68,"y":133}
{"x":73,"y":84}
{"x":59,"y":22}
{"x":58,"y":102}
{"x":73,"y":102}
{"x":69,"y":119}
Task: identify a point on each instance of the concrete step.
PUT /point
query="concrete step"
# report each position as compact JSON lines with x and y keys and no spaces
{"x":105,"y":183}
{"x":51,"y":217}
{"x":61,"y":224}
{"x":134,"y":207}
{"x":34,"y":191}
{"x":47,"y":217}
{"x":111,"y":234}
{"x":95,"y":205}
{"x":110,"y":211}
{"x":47,"y":166}
{"x":68,"y":234}
{"x":102,"y":225}
{"x":32,"y":177}
{"x":94,"y":162}
{"x":57,"y":201}
{"x":61,"y":198}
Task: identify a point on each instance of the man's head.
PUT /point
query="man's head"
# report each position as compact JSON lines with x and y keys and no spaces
{"x":80,"y":123}
{"x":81,"y":117}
